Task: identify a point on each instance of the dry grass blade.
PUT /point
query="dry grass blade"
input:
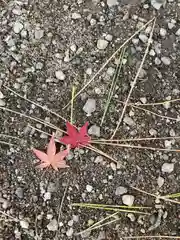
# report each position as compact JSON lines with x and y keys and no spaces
{"x":156,"y":114}
{"x":155,"y":104}
{"x":101,"y":153}
{"x":99,"y":141}
{"x":31,"y":118}
{"x":9,"y":216}
{"x":155,"y":236}
{"x":97,"y":224}
{"x":113,"y":84}
{"x":106,"y":205}
{"x":138,"y":147}
{"x":9,"y":136}
{"x":173,"y":195}
{"x":112,"y":56}
{"x":135,"y":79}
{"x":72,"y":103}
{"x":156,"y":196}
{"x":36,"y":104}
{"x":6,"y":143}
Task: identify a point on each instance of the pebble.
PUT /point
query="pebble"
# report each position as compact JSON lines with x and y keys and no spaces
{"x":152,"y":132}
{"x":53,"y":225}
{"x":70,"y":222}
{"x":98,"y":159}
{"x":167,"y":167}
{"x":129,"y":121}
{"x":47,"y":196}
{"x":178,"y":32}
{"x":2,"y":103}
{"x":89,"y":188}
{"x":168,"y":144}
{"x":89,"y":71}
{"x":143,"y":38}
{"x":120,"y":190}
{"x":113,"y":166}
{"x":19,"y":192}
{"x":39,"y":65}
{"x":75,"y":16}
{"x":60,"y":75}
{"x":38,"y":34}
{"x":131,"y":217}
{"x":128,"y":199}
{"x":17,"y":27}
{"x":163,"y":32}
{"x":172,"y":133}
{"x":160,"y":181}
{"x":110,"y":71}
{"x":166,"y":60}
{"x":90,"y":106}
{"x":24,"y":224}
{"x":109,"y":37}
{"x":152,"y":53}
{"x":69,"y":232}
{"x":17,"y":11}
{"x":102,"y":44}
{"x":94,"y":130}
{"x":157,"y":61}
{"x":111,"y":3}
{"x":157,"y":4}
{"x":73,"y":47}
{"x":143,"y":100}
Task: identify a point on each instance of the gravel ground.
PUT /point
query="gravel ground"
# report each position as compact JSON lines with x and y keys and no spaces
{"x":47,"y":47}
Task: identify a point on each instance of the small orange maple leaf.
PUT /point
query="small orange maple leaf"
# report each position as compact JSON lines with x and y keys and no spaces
{"x":51,"y":158}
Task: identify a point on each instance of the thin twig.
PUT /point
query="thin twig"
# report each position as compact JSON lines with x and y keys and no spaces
{"x":31,"y":118}
{"x":36,"y":104}
{"x":72,"y":103}
{"x":155,"y":104}
{"x":9,"y":216}
{"x":135,"y":79}
{"x":156,"y":196}
{"x":112,"y":56}
{"x":145,"y":237}
{"x":6,"y":143}
{"x":9,"y":136}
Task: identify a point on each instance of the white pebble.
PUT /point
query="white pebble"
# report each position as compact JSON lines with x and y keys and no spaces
{"x":90,"y":106}
{"x":109,"y":37}
{"x":76,"y":16}
{"x":17,"y":27}
{"x":178,"y":32}
{"x":120,"y":191}
{"x":89,"y":188}
{"x":129,"y":121}
{"x":98,"y":159}
{"x":69,"y":232}
{"x":152,"y":53}
{"x":113,"y":166}
{"x":163,"y":32}
{"x":24,"y":224}
{"x":94,"y":130}
{"x":47,"y":196}
{"x":110,"y":71}
{"x":143,"y":38}
{"x":166,"y":60}
{"x":128,"y":199}
{"x":111,"y":3}
{"x":157,"y":61}
{"x":2,"y":103}
{"x":152,"y":132}
{"x":157,"y":4}
{"x":38,"y":34}
{"x":160,"y":181}
{"x":73,"y":47}
{"x":53,"y":225}
{"x":89,"y":71}
{"x":167,"y":167}
{"x":1,"y":95}
{"x":143,"y":100}
{"x":102,"y":44}
{"x":168,"y":143}
{"x":60,"y":75}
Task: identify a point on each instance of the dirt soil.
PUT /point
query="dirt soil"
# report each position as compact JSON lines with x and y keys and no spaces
{"x":48,"y":46}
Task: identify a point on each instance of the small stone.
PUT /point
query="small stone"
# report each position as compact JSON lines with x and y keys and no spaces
{"x":128,"y":200}
{"x":109,"y":37}
{"x":120,"y":191}
{"x":111,"y":3}
{"x":90,"y":106}
{"x":171,"y":25}
{"x":163,"y":32}
{"x":129,"y":121}
{"x":94,"y":130}
{"x":157,"y":4}
{"x":102,"y":44}
{"x":172,"y":133}
{"x":157,"y":61}
{"x":24,"y":224}
{"x":39,"y":65}
{"x":73,"y":47}
{"x":143,"y":100}
{"x":152,"y":132}
{"x":152,"y":53}
{"x":143,"y":38}
{"x":17,"y":11}
{"x":168,"y":143}
{"x":111,"y":71}
{"x":178,"y":32}
{"x":89,"y":188}
{"x":69,"y":232}
{"x":167,"y":167}
{"x":60,"y":75}
{"x":98,"y":159}
{"x":19,"y":192}
{"x":89,"y":71}
{"x":135,"y":41}
{"x":93,"y":21}
{"x":113,"y":166}
{"x":160,"y":181}
{"x":70,"y":223}
{"x":76,"y":16}
{"x":131,"y":217}
{"x":166,"y":60}
{"x":53,"y":225}
{"x":17,"y":27}
{"x":2,"y":103}
{"x":47,"y":196}
{"x":39,"y":33}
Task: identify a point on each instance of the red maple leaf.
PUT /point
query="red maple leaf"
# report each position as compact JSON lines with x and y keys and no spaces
{"x":76,"y":138}
{"x":51,"y":158}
